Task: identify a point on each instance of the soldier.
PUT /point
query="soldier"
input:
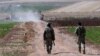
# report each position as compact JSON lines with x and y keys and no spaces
{"x":81,"y":32}
{"x":49,"y":38}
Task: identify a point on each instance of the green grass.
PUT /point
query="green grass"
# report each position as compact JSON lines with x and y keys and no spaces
{"x":37,"y":8}
{"x":92,"y":33}
{"x":5,"y":28}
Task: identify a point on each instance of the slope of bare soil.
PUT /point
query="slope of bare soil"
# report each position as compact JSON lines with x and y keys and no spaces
{"x":77,"y":10}
{"x":84,"y":6}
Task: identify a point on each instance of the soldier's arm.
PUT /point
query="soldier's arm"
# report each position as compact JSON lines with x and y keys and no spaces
{"x":84,"y":30}
{"x":53,"y":38}
{"x":44,"y":37}
{"x":53,"y":35}
{"x":76,"y":31}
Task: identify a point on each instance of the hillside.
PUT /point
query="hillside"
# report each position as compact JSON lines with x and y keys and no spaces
{"x":79,"y":9}
{"x":84,"y":6}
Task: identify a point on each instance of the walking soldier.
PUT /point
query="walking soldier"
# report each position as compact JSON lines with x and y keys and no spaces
{"x":81,"y":32}
{"x":49,"y":37}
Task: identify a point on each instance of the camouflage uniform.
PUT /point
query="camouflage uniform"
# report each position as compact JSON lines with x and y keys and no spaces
{"x":81,"y":32}
{"x":49,"y":38}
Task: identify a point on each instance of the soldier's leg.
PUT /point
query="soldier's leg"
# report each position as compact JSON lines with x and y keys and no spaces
{"x":79,"y":46}
{"x":84,"y":48}
{"x":47,"y":48}
{"x":50,"y":48}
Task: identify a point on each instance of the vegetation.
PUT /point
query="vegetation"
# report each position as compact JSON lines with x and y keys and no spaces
{"x":5,"y":28}
{"x":37,"y":8}
{"x":92,"y":33}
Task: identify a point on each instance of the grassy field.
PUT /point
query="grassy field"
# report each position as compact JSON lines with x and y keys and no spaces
{"x":92,"y":33}
{"x":5,"y":28}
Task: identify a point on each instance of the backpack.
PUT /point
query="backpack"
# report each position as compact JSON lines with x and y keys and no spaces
{"x":48,"y":34}
{"x":81,"y":31}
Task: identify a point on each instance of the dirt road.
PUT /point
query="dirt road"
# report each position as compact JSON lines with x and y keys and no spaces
{"x":65,"y":44}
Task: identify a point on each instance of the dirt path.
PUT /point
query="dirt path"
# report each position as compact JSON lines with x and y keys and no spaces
{"x":65,"y":44}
